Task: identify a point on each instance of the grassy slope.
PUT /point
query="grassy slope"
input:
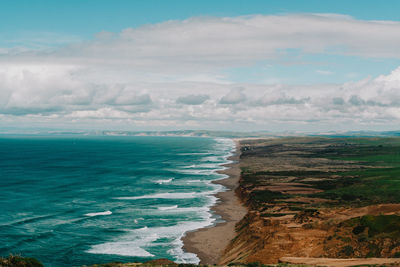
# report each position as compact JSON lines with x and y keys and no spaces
{"x":376,"y":181}
{"x":379,"y":182}
{"x":350,"y":172}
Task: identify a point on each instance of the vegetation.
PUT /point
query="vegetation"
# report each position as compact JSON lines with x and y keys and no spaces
{"x":378,"y":178}
{"x":260,"y":197}
{"x":18,"y":261}
{"x":311,"y":188}
{"x":371,"y":174}
{"x":376,"y":226}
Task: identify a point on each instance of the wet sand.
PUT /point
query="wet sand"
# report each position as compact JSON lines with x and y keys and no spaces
{"x":209,"y":243}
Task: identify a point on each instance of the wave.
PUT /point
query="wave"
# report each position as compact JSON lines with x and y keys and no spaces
{"x":162,"y":196}
{"x":120,"y":248}
{"x":195,"y":153}
{"x":123,"y":248}
{"x":187,"y":171}
{"x":214,"y":158}
{"x":30,"y":220}
{"x":164,"y":181}
{"x":137,"y":220}
{"x":217,"y":188}
{"x":168,"y":208}
{"x":194,"y":181}
{"x":102,"y":213}
{"x":143,"y":241}
{"x":175,"y":209}
{"x":204,"y":166}
{"x":139,"y":242}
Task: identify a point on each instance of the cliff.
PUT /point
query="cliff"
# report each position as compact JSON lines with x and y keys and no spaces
{"x":318,"y":197}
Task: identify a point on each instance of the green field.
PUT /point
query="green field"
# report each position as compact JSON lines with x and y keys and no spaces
{"x":377,"y":180}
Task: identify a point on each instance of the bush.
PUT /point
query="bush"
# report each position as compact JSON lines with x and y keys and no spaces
{"x":348,"y":250}
{"x":358,"y":229}
{"x":255,"y":264}
{"x":18,"y":261}
{"x":265,"y":196}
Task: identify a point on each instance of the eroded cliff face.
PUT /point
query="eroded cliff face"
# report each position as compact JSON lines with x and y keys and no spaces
{"x":289,"y":187}
{"x":327,"y":234}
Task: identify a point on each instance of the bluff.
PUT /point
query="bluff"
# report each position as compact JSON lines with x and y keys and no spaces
{"x":314,"y":197}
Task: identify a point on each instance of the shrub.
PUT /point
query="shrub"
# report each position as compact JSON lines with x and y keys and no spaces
{"x":255,"y":264}
{"x":358,"y":229}
{"x":18,"y":261}
{"x":348,"y":250}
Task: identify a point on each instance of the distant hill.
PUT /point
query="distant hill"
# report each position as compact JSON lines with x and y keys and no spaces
{"x":200,"y":133}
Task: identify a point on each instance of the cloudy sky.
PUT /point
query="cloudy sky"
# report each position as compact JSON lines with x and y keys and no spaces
{"x":218,"y":65}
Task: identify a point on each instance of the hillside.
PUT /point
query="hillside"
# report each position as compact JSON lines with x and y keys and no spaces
{"x":318,"y":197}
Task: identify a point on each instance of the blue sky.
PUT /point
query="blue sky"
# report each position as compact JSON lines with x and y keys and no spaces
{"x":56,"y":23}
{"x":227,"y":64}
{"x":84,"y":18}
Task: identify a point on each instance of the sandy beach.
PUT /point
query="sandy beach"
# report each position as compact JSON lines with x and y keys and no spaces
{"x":209,"y":243}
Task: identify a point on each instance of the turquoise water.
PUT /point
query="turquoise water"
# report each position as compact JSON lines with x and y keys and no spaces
{"x":84,"y":200}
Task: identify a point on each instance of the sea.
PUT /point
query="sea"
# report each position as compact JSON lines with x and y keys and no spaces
{"x":80,"y":200}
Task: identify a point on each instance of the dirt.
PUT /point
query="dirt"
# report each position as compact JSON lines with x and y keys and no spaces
{"x":298,"y":227}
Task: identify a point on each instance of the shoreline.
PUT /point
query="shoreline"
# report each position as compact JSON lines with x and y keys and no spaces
{"x":209,"y":243}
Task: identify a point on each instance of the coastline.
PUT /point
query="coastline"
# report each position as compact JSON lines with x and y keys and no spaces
{"x":209,"y":243}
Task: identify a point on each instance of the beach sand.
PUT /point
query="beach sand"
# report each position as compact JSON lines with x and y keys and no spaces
{"x":209,"y":243}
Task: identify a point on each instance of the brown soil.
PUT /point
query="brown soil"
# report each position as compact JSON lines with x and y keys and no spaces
{"x":274,"y":231}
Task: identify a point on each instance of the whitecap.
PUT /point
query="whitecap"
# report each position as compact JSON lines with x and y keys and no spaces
{"x":203,"y":166}
{"x":194,"y":181}
{"x":123,"y":248}
{"x":194,"y":153}
{"x":168,"y":207}
{"x":162,"y":196}
{"x":140,"y":242}
{"x":175,"y":209}
{"x":146,"y":238}
{"x":137,"y":220}
{"x":195,"y":171}
{"x":164,"y":181}
{"x":102,"y":213}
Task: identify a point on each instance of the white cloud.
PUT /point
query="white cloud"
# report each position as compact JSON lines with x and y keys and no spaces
{"x":56,"y":94}
{"x":192,"y":99}
{"x":172,"y":75}
{"x":207,"y":42}
{"x":234,"y":96}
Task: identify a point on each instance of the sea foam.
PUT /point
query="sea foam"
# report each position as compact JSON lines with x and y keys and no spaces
{"x":168,"y":208}
{"x":145,"y":241}
{"x":102,"y":213}
{"x":161,"y":196}
{"x":165,"y":181}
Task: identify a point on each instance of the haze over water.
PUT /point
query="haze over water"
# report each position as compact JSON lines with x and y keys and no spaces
{"x":69,"y":201}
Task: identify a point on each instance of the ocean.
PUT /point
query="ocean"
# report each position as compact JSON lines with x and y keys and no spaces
{"x":70,"y":201}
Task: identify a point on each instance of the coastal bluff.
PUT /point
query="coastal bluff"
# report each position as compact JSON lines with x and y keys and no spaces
{"x":316,"y":197}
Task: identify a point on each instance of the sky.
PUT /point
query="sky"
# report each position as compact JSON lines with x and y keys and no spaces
{"x":307,"y":66}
